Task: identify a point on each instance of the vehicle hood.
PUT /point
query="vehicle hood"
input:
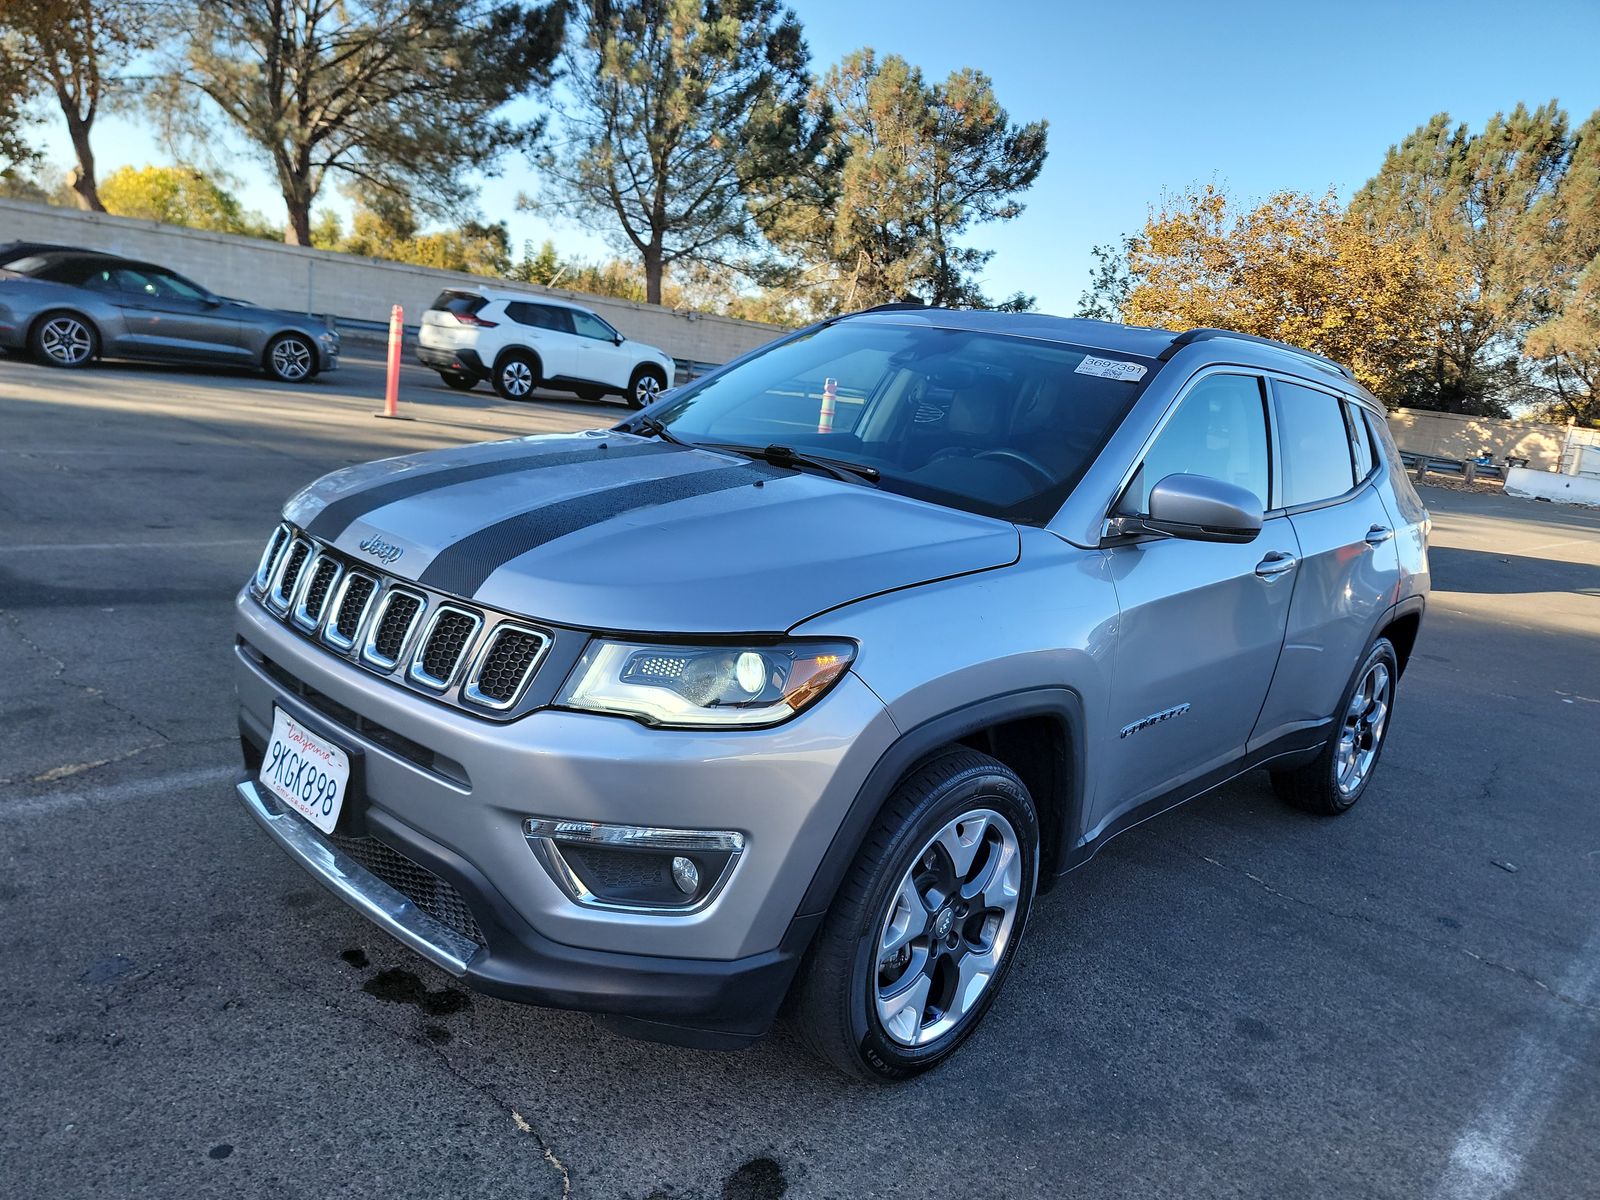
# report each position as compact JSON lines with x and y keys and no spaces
{"x":615,"y":532}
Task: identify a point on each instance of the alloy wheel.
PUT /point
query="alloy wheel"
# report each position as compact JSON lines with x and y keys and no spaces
{"x":646,"y":390}
{"x":947,"y":926}
{"x":66,"y":340}
{"x":516,"y":378}
{"x":291,"y":359}
{"x":1364,"y":722}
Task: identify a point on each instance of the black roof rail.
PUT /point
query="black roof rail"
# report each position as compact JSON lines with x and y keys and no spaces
{"x":894,"y":306}
{"x":1206,"y":334}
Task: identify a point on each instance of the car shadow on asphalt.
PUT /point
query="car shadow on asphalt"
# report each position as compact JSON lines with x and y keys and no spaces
{"x":1488,"y":572}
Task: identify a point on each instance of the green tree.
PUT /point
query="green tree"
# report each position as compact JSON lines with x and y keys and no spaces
{"x":1565,"y":346}
{"x":676,"y":105}
{"x":76,"y":51}
{"x":1110,"y":281}
{"x":16,"y":91}
{"x":404,"y":96}
{"x":180,"y":195}
{"x":1480,"y":204}
{"x":387,"y":226}
{"x":905,"y":170}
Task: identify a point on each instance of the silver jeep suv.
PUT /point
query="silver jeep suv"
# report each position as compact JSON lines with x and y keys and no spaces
{"x":804,"y":681}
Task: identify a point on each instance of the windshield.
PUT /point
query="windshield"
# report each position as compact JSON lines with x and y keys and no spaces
{"x":990,"y":423}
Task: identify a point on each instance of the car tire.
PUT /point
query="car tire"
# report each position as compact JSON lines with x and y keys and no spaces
{"x":290,"y":358}
{"x":1332,"y":782}
{"x":64,"y":339}
{"x":458,"y":381}
{"x":647,"y":383}
{"x":854,"y":1005}
{"x":516,"y":375}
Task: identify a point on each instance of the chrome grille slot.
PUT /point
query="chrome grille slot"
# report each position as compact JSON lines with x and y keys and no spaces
{"x":350,"y":605}
{"x":269,"y":557}
{"x":392,"y":625}
{"x":323,"y":573}
{"x":479,"y":661}
{"x":288,"y":574}
{"x":507,"y":663}
{"x":443,"y":648}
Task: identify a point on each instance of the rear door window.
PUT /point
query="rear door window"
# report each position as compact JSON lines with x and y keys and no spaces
{"x":1313,"y":445}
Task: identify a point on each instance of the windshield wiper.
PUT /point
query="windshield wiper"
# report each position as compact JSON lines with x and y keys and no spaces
{"x":655,"y":428}
{"x":788,"y":456}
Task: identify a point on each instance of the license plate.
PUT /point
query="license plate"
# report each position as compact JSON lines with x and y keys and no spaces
{"x":306,"y":772}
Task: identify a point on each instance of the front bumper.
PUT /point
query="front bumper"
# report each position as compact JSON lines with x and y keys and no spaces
{"x":719,"y":971}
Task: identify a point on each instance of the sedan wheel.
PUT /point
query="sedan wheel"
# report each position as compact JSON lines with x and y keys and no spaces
{"x":291,"y":360}
{"x":64,"y":341}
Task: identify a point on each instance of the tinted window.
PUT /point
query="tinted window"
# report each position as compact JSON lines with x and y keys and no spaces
{"x":540,"y":316}
{"x":589,"y":326}
{"x":458,"y":303}
{"x":981,"y":421}
{"x":1360,"y":441}
{"x":1313,"y":443}
{"x":1219,"y":430}
{"x":172,"y":286}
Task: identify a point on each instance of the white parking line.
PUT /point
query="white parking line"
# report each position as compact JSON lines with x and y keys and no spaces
{"x":70,"y":547}
{"x":1487,"y":1158}
{"x":126,"y":792}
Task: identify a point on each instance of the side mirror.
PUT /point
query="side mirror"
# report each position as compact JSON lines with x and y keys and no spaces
{"x":1203,"y":509}
{"x":618,"y":340}
{"x":213,"y":302}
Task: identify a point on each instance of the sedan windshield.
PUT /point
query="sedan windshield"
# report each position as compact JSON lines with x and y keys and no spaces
{"x":986,"y":422}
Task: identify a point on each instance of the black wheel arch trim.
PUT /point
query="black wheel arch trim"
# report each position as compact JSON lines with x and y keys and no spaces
{"x":919,"y":743}
{"x":520,"y":352}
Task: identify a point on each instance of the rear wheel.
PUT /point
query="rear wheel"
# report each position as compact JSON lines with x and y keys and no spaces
{"x":291,"y":359}
{"x":926,"y":924}
{"x":64,"y":340}
{"x":1337,"y":777}
{"x":516,"y":375}
{"x":647,"y":383}
{"x":458,"y":381}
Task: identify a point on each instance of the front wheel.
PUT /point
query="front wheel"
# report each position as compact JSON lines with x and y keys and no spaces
{"x":291,"y":359}
{"x":1337,"y":777}
{"x":926,"y":924}
{"x":64,"y":340}
{"x":647,"y":384}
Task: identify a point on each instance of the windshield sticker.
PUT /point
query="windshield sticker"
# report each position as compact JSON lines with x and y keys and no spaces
{"x":1110,"y":368}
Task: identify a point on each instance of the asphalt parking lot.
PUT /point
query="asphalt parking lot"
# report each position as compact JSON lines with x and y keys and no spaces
{"x":1236,"y":1000}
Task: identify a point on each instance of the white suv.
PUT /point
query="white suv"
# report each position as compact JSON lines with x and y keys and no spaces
{"x":520,"y":342}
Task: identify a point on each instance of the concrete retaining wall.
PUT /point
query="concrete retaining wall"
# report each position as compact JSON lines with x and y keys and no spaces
{"x":1449,"y":435}
{"x":1546,"y":485}
{"x":319,"y":281}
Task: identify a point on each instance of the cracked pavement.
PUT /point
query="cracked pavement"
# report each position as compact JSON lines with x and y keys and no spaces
{"x":1233,"y":1000}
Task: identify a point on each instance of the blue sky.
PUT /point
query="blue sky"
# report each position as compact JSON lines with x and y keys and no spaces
{"x":1146,"y":97}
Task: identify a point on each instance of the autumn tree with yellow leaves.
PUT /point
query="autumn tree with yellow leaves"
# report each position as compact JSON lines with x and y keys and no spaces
{"x":1294,"y":267}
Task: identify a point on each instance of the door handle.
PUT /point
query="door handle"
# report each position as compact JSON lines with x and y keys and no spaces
{"x":1378,"y":535}
{"x":1275,"y":564}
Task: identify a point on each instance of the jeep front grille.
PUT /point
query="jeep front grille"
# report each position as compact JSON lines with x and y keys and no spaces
{"x":476,"y":659}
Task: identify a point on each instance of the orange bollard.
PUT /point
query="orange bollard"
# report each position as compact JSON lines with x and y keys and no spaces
{"x":830,"y":404}
{"x":391,"y":390}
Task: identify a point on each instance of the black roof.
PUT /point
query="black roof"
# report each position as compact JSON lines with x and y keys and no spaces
{"x":1139,"y":340}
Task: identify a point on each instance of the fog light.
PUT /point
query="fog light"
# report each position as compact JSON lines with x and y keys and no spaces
{"x":686,"y":875}
{"x":634,"y":867}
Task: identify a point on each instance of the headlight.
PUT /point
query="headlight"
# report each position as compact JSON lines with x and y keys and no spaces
{"x":728,"y":686}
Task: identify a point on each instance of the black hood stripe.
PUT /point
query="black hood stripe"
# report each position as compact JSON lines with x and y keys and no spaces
{"x":461,"y":569}
{"x":338,"y":515}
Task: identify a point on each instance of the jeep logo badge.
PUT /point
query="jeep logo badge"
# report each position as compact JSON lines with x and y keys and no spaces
{"x":384,"y":552}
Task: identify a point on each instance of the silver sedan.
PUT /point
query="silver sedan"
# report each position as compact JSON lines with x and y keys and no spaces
{"x":69,"y":307}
